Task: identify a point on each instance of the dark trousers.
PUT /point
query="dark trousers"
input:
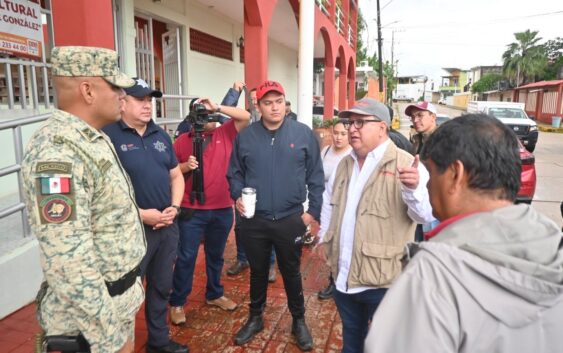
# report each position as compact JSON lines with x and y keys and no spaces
{"x":259,"y":235}
{"x":356,"y":312}
{"x":214,"y":227}
{"x":241,"y":254}
{"x":157,"y":267}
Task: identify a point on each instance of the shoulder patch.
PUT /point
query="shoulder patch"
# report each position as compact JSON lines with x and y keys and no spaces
{"x":88,"y":133}
{"x":104,"y":165}
{"x":53,"y":168}
{"x":56,"y":209}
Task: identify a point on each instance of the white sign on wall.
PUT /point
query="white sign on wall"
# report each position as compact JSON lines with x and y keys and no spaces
{"x":21,"y":31}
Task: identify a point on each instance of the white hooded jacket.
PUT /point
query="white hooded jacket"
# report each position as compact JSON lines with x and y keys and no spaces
{"x":490,"y":282}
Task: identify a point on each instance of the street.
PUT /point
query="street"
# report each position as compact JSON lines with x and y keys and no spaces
{"x":549,"y":165}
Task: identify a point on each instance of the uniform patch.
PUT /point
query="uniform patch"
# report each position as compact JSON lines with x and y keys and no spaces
{"x":53,"y":168}
{"x":104,"y":165}
{"x":56,"y":208}
{"x":159,"y":146}
{"x":55,"y":185}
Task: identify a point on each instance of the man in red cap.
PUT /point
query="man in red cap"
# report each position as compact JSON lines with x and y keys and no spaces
{"x":279,"y":158}
{"x":423,"y":117}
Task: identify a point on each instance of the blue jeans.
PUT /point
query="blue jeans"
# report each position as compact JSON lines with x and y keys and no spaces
{"x":356,"y":312}
{"x":214,"y":227}
{"x":241,"y":254}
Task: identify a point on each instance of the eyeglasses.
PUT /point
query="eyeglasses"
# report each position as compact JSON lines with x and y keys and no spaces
{"x":358,"y":123}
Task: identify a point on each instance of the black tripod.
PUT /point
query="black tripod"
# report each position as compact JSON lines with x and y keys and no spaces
{"x":198,"y":146}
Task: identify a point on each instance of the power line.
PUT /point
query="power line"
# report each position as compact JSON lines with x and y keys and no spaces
{"x":494,"y":21}
{"x":384,"y":6}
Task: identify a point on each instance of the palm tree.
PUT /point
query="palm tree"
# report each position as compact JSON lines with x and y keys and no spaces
{"x":524,"y":58}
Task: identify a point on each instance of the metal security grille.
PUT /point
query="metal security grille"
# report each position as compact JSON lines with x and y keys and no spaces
{"x":144,"y":54}
{"x":26,"y":96}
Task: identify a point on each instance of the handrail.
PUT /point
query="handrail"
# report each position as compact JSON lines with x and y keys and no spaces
{"x":16,"y":126}
{"x":10,"y":124}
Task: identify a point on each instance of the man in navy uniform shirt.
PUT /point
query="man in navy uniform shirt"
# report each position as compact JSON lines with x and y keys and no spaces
{"x":146,"y":153}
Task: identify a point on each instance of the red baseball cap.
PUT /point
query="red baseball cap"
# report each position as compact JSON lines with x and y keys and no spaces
{"x":421,"y":106}
{"x":268,"y":86}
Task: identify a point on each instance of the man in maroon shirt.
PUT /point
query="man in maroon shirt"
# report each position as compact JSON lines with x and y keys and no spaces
{"x":211,"y":220}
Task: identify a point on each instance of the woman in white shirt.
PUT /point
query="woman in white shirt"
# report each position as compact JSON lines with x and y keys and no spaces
{"x":332,"y":155}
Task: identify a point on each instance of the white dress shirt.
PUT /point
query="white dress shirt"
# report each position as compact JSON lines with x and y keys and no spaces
{"x":417,"y":201}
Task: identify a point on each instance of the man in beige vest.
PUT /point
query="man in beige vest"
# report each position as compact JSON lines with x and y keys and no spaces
{"x":371,"y":205}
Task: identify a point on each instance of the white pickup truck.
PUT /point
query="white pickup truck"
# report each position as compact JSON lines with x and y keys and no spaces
{"x":512,"y":115}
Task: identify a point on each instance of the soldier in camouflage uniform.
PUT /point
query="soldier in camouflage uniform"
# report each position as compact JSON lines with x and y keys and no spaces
{"x":81,"y":206}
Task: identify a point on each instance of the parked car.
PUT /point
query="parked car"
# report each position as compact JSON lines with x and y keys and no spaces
{"x":442,"y":101}
{"x":527,"y":176}
{"x":402,"y":98}
{"x":512,"y":115}
{"x":440,"y":119}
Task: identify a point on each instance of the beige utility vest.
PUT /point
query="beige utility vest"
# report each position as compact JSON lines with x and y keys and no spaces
{"x":382,"y":224}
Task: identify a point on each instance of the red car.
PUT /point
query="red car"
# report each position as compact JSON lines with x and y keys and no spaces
{"x":527,"y":177}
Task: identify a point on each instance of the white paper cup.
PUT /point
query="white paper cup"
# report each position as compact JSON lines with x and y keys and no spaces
{"x":249,"y":201}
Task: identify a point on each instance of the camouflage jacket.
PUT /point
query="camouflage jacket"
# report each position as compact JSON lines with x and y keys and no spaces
{"x":82,"y":211}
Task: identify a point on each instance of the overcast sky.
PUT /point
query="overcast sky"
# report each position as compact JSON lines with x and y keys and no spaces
{"x":431,"y":34}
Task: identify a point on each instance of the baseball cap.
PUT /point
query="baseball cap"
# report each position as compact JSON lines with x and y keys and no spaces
{"x":141,"y":89}
{"x":76,"y":61}
{"x":422,"y":106}
{"x":368,"y":106}
{"x":268,"y":86}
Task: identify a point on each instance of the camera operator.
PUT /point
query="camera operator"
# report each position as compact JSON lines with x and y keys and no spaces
{"x":212,"y":216}
{"x":230,"y":99}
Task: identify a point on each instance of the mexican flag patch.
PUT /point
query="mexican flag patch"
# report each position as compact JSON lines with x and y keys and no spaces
{"x":55,"y":185}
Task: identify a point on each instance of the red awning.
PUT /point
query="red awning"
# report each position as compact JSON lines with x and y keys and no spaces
{"x":541,"y":84}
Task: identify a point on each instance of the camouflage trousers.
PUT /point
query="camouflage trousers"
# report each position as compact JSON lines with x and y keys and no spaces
{"x":57,"y":317}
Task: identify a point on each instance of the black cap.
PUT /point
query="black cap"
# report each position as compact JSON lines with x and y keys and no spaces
{"x":141,"y":89}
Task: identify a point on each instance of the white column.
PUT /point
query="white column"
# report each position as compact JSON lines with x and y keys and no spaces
{"x":127,"y":19}
{"x":306,"y":57}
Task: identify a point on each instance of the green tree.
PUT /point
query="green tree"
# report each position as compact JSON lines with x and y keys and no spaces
{"x":554,"y":53}
{"x":486,"y":83}
{"x":389,"y":73}
{"x":361,"y":49}
{"x":524,"y":59}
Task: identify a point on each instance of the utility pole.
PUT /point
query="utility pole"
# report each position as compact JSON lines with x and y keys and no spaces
{"x":390,"y":95}
{"x":379,"y":42}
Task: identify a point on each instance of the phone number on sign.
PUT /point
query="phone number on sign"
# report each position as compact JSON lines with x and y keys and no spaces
{"x":5,"y":45}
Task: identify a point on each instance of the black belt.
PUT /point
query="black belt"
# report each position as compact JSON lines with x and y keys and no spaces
{"x":124,"y":283}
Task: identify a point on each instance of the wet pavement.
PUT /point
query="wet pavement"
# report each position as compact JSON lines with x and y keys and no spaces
{"x":210,"y":329}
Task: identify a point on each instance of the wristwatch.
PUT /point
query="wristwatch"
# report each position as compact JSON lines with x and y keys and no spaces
{"x":178,"y":209}
{"x":218,"y":109}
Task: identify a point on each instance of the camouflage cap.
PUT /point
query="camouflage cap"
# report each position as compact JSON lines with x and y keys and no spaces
{"x":89,"y":62}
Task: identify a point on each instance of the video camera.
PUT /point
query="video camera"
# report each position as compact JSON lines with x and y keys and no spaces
{"x":199,"y":116}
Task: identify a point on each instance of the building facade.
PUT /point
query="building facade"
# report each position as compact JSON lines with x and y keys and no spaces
{"x":186,"y":48}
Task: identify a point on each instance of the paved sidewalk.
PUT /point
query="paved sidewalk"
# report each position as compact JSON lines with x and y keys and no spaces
{"x":548,"y":128}
{"x":210,"y":329}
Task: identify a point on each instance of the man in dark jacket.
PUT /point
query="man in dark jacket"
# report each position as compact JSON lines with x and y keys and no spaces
{"x":280,"y":158}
